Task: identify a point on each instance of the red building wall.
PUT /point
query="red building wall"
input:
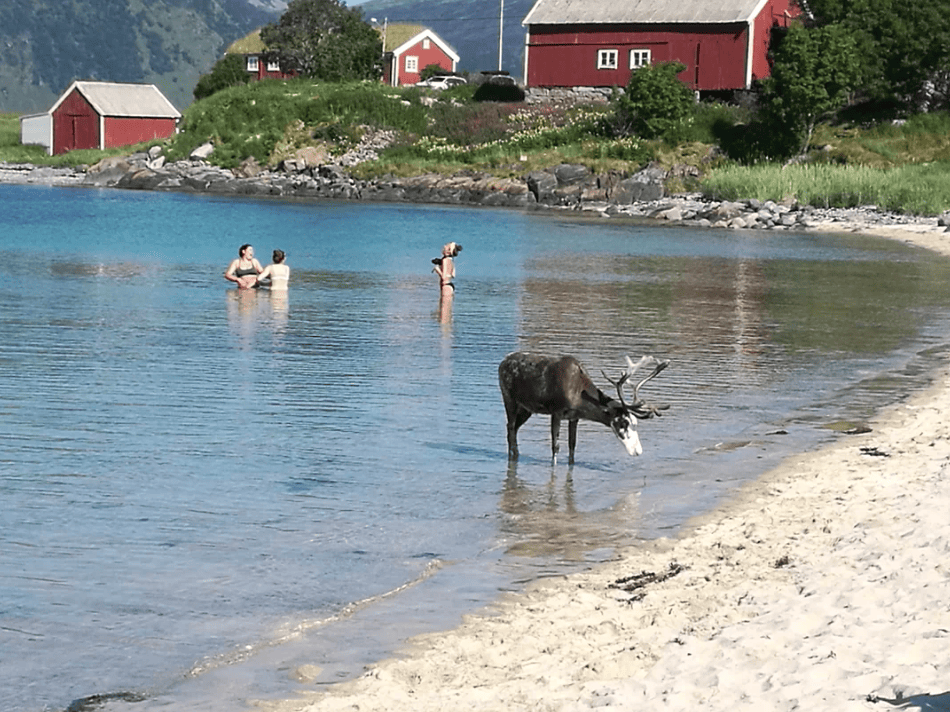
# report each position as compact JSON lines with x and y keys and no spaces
{"x":125,"y":131}
{"x":432,"y":55}
{"x":262,"y":72}
{"x":775,"y":13}
{"x":715,"y":55}
{"x":75,"y":125}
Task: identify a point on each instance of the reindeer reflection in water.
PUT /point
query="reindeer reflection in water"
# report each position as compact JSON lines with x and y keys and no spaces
{"x":560,"y":387}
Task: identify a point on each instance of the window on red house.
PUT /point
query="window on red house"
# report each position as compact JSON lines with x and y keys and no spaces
{"x":639,"y":58}
{"x":606,"y":59}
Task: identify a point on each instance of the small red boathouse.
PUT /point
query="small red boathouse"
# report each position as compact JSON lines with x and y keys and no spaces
{"x":108,"y":115}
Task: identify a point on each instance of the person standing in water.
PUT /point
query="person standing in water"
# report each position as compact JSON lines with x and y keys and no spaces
{"x":277,"y":272}
{"x":245,"y":269}
{"x":445,"y":268}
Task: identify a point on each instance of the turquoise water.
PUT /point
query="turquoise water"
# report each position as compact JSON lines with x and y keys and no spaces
{"x":203,"y":489}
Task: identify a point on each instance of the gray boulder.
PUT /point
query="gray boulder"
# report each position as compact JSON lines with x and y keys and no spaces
{"x":571,"y":174}
{"x":542,"y":184}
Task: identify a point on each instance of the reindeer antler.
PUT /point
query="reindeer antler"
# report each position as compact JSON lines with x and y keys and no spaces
{"x":618,"y":384}
{"x":640,"y":407}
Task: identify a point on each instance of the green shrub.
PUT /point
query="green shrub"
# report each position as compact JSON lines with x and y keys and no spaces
{"x":430,"y":70}
{"x":227,"y":72}
{"x":490,"y":91}
{"x":655,"y":105}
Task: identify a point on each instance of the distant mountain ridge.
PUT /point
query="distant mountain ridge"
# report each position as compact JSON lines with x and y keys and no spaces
{"x":46,"y":44}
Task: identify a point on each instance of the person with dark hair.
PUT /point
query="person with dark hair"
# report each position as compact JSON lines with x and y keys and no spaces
{"x":245,"y":269}
{"x":277,"y":272}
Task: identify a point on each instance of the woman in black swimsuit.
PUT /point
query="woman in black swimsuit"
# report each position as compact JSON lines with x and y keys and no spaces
{"x":244,"y":270}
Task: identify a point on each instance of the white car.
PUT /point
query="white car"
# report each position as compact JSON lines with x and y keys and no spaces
{"x":441,"y":82}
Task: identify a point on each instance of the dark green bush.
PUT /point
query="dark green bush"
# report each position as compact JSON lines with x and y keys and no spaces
{"x":227,"y":72}
{"x":655,"y":105}
{"x":490,"y":91}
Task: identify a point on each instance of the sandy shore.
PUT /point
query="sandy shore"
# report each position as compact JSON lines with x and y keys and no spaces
{"x":822,"y":586}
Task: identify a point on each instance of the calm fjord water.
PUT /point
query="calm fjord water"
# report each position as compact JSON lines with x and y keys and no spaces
{"x":203,"y":489}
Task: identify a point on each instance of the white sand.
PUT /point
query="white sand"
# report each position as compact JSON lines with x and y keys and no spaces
{"x":824,"y":583}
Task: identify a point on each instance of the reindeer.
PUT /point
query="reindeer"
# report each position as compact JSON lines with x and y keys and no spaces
{"x":560,"y":387}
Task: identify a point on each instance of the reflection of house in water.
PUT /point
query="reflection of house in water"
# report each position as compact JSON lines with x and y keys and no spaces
{"x":717,"y":305}
{"x":710,"y":309}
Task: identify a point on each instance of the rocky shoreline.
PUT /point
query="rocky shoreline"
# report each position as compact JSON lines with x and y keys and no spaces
{"x":563,"y":187}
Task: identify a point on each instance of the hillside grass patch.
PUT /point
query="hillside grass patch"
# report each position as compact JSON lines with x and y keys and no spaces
{"x":917,"y":189}
{"x":251,"y":121}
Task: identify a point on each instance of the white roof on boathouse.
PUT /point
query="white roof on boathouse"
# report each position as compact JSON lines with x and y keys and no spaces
{"x":129,"y":100}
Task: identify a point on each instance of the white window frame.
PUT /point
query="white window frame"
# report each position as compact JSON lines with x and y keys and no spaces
{"x":252,"y":64}
{"x":640,"y":58}
{"x":273,"y":65}
{"x":607,"y":59}
{"x":426,"y":44}
{"x":412,"y":63}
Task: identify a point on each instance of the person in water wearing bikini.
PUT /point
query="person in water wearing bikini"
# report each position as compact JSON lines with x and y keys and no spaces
{"x":277,"y":272}
{"x":245,"y":269}
{"x":445,"y":268}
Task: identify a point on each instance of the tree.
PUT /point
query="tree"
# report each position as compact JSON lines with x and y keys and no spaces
{"x":227,"y":72}
{"x":431,"y":70}
{"x":815,"y":70}
{"x":655,"y":103}
{"x":326,"y":40}
{"x":903,"y":45}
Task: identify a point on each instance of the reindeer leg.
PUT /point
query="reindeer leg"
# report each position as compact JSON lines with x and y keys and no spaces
{"x":571,"y":439}
{"x":555,"y":433}
{"x":516,"y":418}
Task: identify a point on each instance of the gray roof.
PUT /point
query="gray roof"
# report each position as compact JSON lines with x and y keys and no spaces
{"x":597,"y":12}
{"x":132,"y":100}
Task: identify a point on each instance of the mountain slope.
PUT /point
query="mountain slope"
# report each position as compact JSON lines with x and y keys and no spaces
{"x":470,"y":26}
{"x":46,"y":44}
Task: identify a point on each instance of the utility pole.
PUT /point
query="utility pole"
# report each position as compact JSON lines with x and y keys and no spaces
{"x":501,"y":31}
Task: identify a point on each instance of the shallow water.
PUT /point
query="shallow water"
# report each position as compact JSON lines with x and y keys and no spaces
{"x":204,"y":489}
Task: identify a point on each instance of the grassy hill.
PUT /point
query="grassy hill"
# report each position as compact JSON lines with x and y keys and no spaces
{"x":46,"y":44}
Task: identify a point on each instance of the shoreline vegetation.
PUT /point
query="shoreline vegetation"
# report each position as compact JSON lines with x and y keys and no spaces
{"x":373,"y":132}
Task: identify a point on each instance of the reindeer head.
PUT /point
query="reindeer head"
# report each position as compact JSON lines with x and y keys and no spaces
{"x":624,"y":418}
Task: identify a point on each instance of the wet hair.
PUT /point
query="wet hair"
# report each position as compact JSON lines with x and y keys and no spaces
{"x":279,"y":256}
{"x":243,"y":248}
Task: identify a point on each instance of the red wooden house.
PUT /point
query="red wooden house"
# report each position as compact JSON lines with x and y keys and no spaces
{"x":723,"y":43}
{"x":408,"y":49}
{"x":107,"y":115}
{"x":257,"y":61}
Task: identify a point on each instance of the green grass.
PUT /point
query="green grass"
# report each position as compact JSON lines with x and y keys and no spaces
{"x":921,"y":139}
{"x":912,"y":188}
{"x":255,"y":119}
{"x":12,"y":151}
{"x":903,"y":168}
